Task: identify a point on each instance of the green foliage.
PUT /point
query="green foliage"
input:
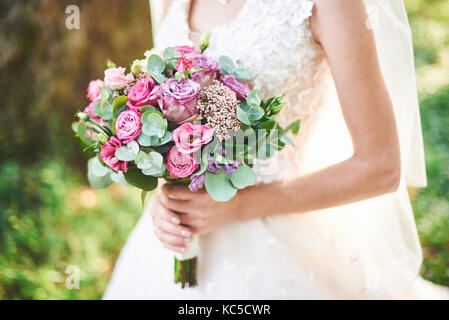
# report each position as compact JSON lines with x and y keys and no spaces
{"x":243,"y":177}
{"x":156,"y":67}
{"x":137,"y":179}
{"x":51,"y":220}
{"x":431,"y":206}
{"x":219,"y":186}
{"x":154,"y":124}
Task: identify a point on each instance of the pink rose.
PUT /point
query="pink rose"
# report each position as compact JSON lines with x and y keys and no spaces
{"x":94,"y":89}
{"x":107,"y":154}
{"x":184,"y":64}
{"x":189,"y":137}
{"x":116,"y":79}
{"x":184,"y":50}
{"x":180,"y":165}
{"x":240,"y":89}
{"x":91,"y":112}
{"x":128,"y":125}
{"x":143,"y":93}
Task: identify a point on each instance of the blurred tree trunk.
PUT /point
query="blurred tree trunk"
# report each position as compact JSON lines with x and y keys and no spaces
{"x":45,"y":68}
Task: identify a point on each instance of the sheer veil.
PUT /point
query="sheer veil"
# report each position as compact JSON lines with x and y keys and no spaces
{"x":388,"y":20}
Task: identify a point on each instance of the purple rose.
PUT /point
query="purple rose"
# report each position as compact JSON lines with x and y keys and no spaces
{"x":240,"y":89}
{"x":177,"y":99}
{"x":208,"y":72}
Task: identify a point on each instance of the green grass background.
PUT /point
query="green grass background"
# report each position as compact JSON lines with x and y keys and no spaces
{"x":49,"y":217}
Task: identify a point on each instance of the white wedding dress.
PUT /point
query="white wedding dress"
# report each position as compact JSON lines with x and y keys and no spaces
{"x":366,"y":250}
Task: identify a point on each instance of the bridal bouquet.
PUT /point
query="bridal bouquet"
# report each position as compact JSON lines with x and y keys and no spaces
{"x":182,"y":116}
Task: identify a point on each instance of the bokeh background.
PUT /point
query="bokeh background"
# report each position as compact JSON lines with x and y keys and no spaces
{"x":51,"y":219}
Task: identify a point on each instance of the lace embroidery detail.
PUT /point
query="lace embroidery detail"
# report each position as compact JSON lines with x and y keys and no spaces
{"x":274,"y":40}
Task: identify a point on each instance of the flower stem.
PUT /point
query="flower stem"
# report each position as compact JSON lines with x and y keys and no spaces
{"x":98,"y":126}
{"x":185,"y":272}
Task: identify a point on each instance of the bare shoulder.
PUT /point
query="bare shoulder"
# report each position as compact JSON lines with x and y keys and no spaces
{"x":340,"y":14}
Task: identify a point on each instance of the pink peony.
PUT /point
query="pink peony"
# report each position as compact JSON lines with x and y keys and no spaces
{"x":189,"y":137}
{"x":240,"y":89}
{"x":184,"y":50}
{"x":107,"y":154}
{"x":94,"y":89}
{"x":128,"y":125}
{"x":116,"y":79}
{"x":180,"y":165}
{"x":143,"y":93}
{"x":184,"y":64}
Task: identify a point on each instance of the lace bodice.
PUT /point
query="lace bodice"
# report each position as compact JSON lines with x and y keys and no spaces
{"x":274,"y":40}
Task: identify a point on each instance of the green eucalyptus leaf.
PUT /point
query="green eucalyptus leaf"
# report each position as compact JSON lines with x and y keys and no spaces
{"x":219,"y":186}
{"x":157,"y":160}
{"x":243,"y":177}
{"x":152,"y":141}
{"x":104,"y":112}
{"x":158,"y":77}
{"x":118,"y":177}
{"x":243,"y":74}
{"x":154,"y":124}
{"x":143,"y":161}
{"x":242,"y":115}
{"x":117,"y":104}
{"x":169,"y":54}
{"x":254,"y":98}
{"x":226,"y":64}
{"x":252,"y":112}
{"x":156,"y":64}
{"x":137,"y":179}
{"x":97,"y":182}
{"x":98,"y":169}
{"x":125,"y":154}
{"x":155,"y":172}
{"x":148,"y":108}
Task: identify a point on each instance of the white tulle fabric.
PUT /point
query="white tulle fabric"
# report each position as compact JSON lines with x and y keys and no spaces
{"x":365,"y":250}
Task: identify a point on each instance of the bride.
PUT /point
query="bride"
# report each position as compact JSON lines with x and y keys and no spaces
{"x":330,"y":217}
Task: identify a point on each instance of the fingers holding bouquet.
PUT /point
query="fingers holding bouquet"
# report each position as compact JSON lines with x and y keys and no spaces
{"x":197,"y":210}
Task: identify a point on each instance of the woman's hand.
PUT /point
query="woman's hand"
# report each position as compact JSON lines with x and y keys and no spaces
{"x":197,"y":211}
{"x":168,"y":228}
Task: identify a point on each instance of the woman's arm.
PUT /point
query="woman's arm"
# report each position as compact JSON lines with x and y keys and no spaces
{"x":374,"y":168}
